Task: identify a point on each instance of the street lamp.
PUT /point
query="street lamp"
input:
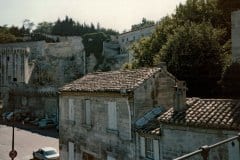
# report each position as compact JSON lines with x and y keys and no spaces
{"x":13,"y":152}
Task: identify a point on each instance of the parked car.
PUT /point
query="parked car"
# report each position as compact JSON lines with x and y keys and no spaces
{"x":47,"y":123}
{"x":46,"y":153}
{"x":4,"y":115}
{"x":35,"y":121}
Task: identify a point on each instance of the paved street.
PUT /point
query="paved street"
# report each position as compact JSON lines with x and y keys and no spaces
{"x":27,"y":139}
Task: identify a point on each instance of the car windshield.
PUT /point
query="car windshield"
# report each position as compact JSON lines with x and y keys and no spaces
{"x":51,"y":152}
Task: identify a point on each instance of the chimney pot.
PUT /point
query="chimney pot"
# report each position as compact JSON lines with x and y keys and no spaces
{"x":180,"y":96}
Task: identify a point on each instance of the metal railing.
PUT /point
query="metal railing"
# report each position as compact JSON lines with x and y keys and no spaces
{"x":204,"y":150}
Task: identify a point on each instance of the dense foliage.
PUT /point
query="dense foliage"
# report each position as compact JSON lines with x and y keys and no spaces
{"x":143,"y":24}
{"x":68,"y":27}
{"x":195,"y":44}
{"x":93,"y":43}
{"x":230,"y":81}
{"x":6,"y":36}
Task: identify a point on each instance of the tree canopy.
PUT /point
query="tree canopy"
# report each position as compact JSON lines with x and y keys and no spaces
{"x":195,"y":44}
{"x":143,"y":24}
{"x":6,"y":36}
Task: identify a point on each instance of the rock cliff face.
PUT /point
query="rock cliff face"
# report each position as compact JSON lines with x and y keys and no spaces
{"x":55,"y":63}
{"x":52,"y":65}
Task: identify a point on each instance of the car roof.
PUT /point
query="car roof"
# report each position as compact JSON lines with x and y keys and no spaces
{"x":48,"y":149}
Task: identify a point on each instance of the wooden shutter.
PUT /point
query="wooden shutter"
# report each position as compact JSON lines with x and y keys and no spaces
{"x":156,"y":149}
{"x":70,"y":151}
{"x":71,"y":110}
{"x":142,"y":146}
{"x":88,"y":112}
{"x":112,"y":116}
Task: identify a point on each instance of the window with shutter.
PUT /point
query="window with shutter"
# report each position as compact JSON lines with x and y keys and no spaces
{"x":70,"y":151}
{"x":142,"y":146}
{"x":112,"y":116}
{"x":71,"y":110}
{"x":87,"y":112}
{"x":149,"y":148}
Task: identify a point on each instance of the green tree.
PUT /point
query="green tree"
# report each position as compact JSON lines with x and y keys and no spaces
{"x":143,"y":24}
{"x":230,"y":81}
{"x":44,"y":27}
{"x":194,"y":54}
{"x":192,"y":42}
{"x":6,"y":36}
{"x":93,"y":43}
{"x":227,"y":7}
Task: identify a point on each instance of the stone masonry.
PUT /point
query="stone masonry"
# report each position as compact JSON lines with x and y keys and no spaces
{"x":133,"y":93}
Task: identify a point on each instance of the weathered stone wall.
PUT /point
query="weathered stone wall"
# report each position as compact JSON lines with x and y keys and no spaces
{"x":60,"y":62}
{"x":176,"y":141}
{"x":91,"y":62}
{"x":113,"y":58}
{"x":37,"y":48}
{"x":156,"y":91}
{"x":118,"y":51}
{"x":96,"y":139}
{"x":53,"y":64}
{"x":14,"y":63}
{"x":125,"y":39}
{"x":236,"y":36}
{"x":42,"y":106}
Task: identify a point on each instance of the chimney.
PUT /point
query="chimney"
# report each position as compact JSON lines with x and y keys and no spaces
{"x":180,"y":96}
{"x":162,"y":65}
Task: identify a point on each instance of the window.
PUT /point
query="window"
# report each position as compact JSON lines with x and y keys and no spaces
{"x":142,"y":146}
{"x":70,"y":151}
{"x":71,"y":110}
{"x":87,"y":112}
{"x":112,"y":116}
{"x":149,"y":148}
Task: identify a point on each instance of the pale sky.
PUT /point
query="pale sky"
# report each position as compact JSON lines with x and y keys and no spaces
{"x":115,"y":14}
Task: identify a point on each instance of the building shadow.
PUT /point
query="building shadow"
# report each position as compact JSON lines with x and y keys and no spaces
{"x":49,"y":132}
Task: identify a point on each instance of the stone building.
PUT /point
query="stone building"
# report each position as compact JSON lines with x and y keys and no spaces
{"x":127,"y":38}
{"x":235,"y":36}
{"x":118,"y":51}
{"x":39,"y":70}
{"x":142,"y":114}
{"x":188,"y":125}
{"x":15,"y":68}
{"x":98,"y":111}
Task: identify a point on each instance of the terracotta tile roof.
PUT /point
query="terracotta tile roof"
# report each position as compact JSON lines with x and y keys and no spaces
{"x":206,"y":113}
{"x":202,"y":113}
{"x":111,"y":81}
{"x":153,"y":128}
